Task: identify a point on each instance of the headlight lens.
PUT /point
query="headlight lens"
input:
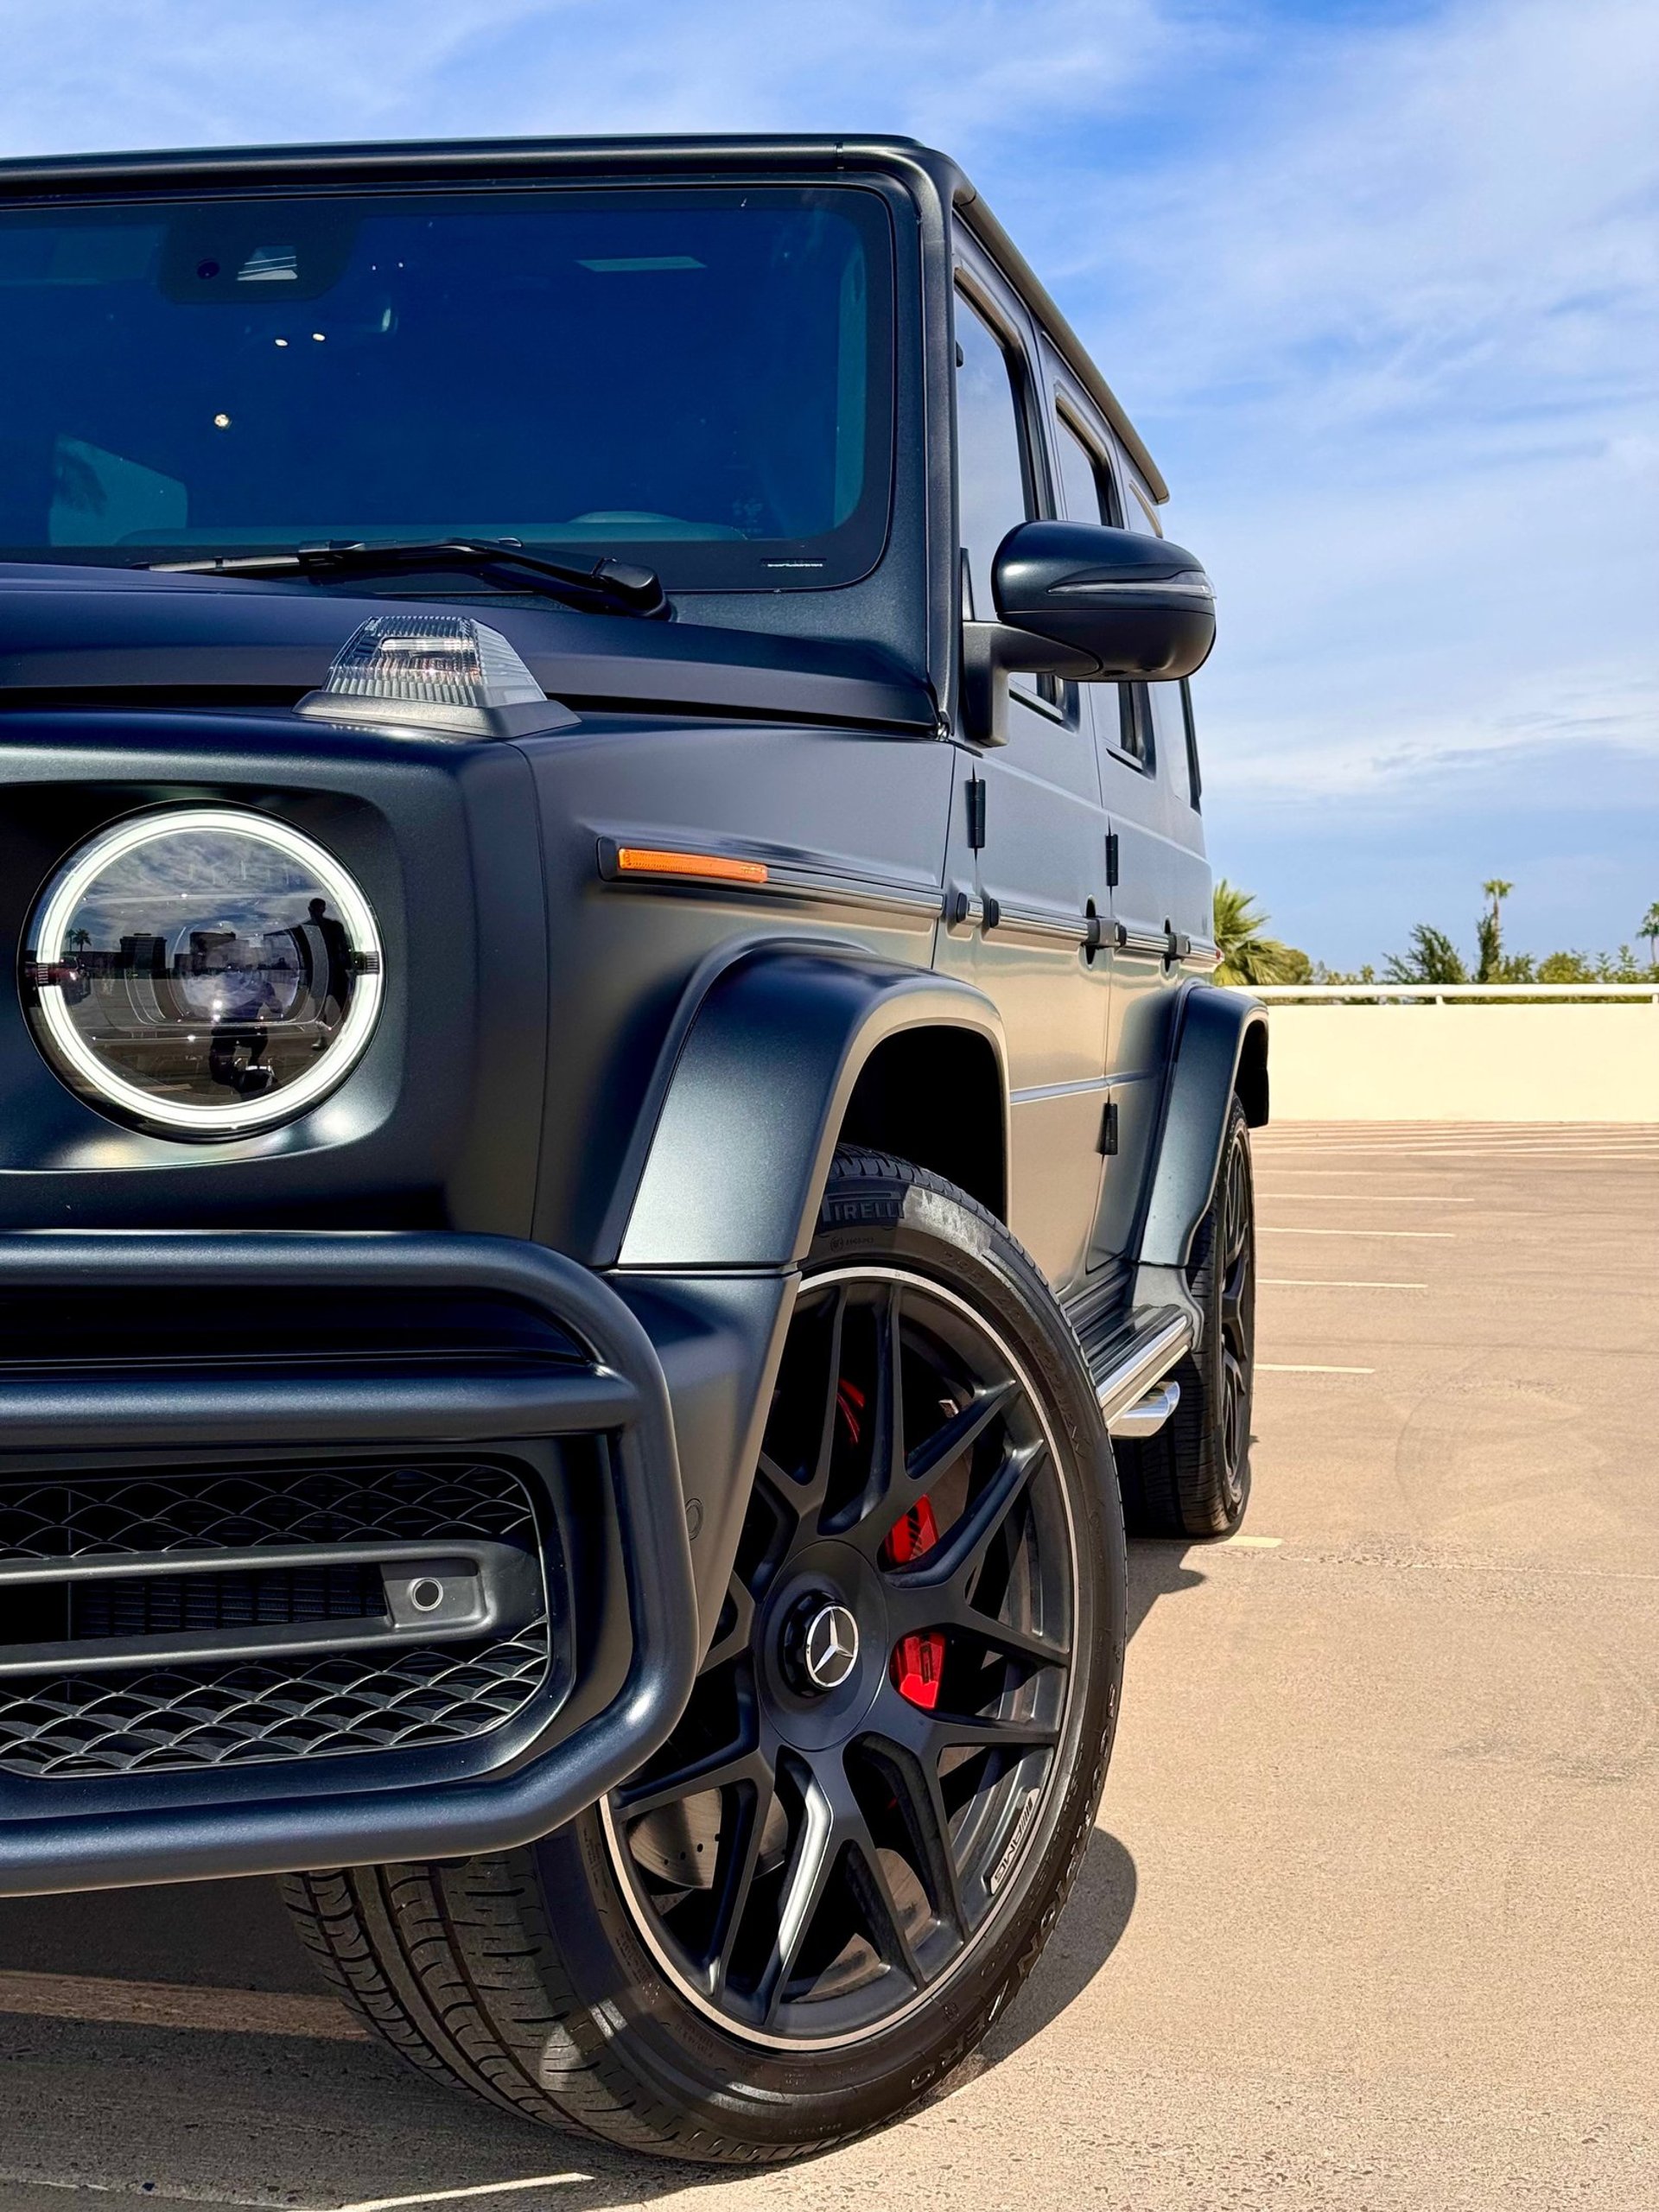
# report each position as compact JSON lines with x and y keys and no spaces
{"x":203,"y":971}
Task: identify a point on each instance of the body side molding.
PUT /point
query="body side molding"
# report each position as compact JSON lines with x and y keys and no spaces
{"x":758,"y":1094}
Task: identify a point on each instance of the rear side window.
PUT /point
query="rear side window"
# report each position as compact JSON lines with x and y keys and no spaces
{"x":1134,"y":734}
{"x":991,"y":481}
{"x":1194,"y":781}
{"x":1086,"y":480}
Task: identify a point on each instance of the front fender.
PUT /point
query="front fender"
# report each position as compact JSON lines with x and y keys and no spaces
{"x":1220,"y":1046}
{"x":738,"y":1156}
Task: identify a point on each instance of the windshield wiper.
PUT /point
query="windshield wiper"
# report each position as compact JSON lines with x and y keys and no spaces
{"x":607,"y":587}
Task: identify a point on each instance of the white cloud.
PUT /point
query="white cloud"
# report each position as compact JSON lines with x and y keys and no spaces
{"x":1395,"y":338}
{"x":272,"y":70}
{"x":1380,"y":288}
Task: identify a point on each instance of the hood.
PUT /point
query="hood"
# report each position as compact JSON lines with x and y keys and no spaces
{"x":86,"y":636}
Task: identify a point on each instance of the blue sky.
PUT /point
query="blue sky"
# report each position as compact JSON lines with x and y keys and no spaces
{"x":1380,"y":284}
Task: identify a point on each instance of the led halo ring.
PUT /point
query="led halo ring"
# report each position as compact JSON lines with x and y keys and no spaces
{"x":96,"y":1076}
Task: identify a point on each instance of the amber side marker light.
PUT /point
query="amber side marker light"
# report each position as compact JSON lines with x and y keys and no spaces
{"x":715,"y":867}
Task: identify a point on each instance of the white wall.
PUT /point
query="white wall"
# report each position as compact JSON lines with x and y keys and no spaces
{"x":1465,"y":1063}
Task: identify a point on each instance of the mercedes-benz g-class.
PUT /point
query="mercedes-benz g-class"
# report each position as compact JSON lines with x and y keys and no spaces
{"x":617,"y":1139}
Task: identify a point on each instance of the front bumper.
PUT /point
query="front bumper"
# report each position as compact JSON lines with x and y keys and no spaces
{"x":187,"y":1368}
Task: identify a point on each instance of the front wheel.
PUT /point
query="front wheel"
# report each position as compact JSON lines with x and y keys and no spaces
{"x":807,"y":1909}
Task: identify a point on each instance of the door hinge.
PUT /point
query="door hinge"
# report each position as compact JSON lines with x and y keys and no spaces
{"x":1108,"y":1129}
{"x":1111,"y":860}
{"x":976,"y":813}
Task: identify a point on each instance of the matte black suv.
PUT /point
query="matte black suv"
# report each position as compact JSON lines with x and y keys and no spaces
{"x":600,"y":811}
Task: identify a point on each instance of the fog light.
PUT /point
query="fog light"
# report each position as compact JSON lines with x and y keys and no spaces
{"x":203,"y":971}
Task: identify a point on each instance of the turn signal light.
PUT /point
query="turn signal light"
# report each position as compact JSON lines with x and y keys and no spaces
{"x":646,"y":859}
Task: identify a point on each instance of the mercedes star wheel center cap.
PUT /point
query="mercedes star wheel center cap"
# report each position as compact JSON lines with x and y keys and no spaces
{"x":831,"y":1651}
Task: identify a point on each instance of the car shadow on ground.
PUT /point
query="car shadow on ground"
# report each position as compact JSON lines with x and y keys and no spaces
{"x":1159,"y":1569}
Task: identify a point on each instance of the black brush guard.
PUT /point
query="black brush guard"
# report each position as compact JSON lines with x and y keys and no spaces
{"x":70,"y":1420}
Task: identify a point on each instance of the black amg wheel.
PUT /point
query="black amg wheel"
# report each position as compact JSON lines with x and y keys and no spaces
{"x":1193,"y":1478}
{"x":805,"y":1910}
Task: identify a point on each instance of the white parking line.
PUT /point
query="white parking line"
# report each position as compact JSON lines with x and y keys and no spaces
{"x":1324,"y":1282}
{"x":454,"y":2196}
{"x":1561,"y":1153}
{"x":171,"y":2004}
{"x":1372,"y":1197}
{"x":1417,"y":1236}
{"x":1269,"y":1367}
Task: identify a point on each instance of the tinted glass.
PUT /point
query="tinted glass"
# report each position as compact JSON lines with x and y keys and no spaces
{"x":1189,"y":746}
{"x":702,"y":377}
{"x":990,"y":466}
{"x":1084,"y":484}
{"x":1134,"y":723}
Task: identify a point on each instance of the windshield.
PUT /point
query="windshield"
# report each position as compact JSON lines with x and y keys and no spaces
{"x":701,"y":377}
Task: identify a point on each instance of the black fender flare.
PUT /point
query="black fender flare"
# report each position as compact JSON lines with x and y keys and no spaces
{"x":737,"y":1159}
{"x":733,"y":1151}
{"x":1220,"y":1046}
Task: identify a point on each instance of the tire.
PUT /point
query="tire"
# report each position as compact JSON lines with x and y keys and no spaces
{"x":769,"y":1941}
{"x":1193,"y":1478}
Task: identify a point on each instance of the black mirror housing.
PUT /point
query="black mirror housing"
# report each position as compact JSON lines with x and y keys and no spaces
{"x":1095,"y":605}
{"x":1136,"y":606}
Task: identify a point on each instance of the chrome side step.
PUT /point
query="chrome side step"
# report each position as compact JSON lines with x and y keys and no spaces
{"x":1147,"y":1416}
{"x":1132,"y":1403}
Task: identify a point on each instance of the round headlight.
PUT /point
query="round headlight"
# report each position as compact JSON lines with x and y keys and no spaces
{"x":203,"y":971}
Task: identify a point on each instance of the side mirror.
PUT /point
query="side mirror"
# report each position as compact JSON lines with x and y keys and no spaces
{"x":1080,"y":600}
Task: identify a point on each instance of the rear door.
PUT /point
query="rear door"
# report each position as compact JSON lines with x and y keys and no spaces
{"x":1144,"y":891}
{"x":1028,"y":831}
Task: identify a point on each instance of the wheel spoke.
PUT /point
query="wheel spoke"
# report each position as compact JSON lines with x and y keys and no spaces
{"x":914,"y":1608}
{"x":957,"y":1434}
{"x":714,"y":1770}
{"x":813,"y":1852}
{"x":926,"y":1735}
{"x":868,"y":1880}
{"x":964,"y":1544}
{"x":1016,"y":1642}
{"x":915,"y":1778}
{"x":806,"y":1500}
{"x":874,"y":1507}
{"x":740,"y":1633}
{"x":887,"y":1424}
{"x":922,"y":1468}
{"x":735,"y":1870}
{"x":953,"y":1730}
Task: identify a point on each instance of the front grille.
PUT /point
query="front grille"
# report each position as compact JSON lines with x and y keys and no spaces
{"x":219,"y":1711}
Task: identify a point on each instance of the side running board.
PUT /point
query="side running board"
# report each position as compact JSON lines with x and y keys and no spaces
{"x":1135,"y":1398}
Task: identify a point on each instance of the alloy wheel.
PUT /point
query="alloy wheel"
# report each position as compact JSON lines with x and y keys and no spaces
{"x":846,"y":1805}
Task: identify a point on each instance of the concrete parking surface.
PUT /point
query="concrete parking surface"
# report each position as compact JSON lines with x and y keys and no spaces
{"x":1372,"y":1915}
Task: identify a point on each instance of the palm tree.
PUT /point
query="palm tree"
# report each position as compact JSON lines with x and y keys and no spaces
{"x":1488,"y":933}
{"x":1247,"y":955}
{"x":1649,"y":928}
{"x":1432,"y":959}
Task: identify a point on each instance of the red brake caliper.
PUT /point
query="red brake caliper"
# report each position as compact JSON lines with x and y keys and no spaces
{"x":917,"y":1661}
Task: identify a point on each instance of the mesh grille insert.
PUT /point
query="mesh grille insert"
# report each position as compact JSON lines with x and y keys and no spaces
{"x":151,"y":1718}
{"x":167,"y":1511}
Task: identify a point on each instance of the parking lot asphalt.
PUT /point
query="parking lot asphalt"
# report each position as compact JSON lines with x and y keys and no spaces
{"x":1371,"y":1916}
